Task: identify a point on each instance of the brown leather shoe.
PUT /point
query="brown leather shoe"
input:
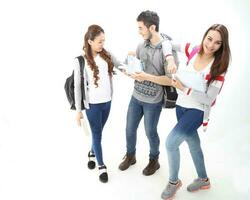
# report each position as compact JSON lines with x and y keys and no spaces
{"x":128,"y":160}
{"x":151,"y":168}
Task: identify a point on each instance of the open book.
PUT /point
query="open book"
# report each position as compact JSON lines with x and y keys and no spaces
{"x":192,"y":80}
{"x":133,"y":65}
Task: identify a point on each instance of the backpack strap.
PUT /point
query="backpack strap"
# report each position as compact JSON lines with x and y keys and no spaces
{"x":81,"y":61}
{"x":194,"y":51}
{"x":186,"y":49}
{"x":165,"y":36}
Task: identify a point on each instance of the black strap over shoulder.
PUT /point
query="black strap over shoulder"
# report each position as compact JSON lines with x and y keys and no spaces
{"x":82,"y":65}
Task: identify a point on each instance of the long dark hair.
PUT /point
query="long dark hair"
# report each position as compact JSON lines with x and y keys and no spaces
{"x":222,"y":55}
{"x":91,"y":34}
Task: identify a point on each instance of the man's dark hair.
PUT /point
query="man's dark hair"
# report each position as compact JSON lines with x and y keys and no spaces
{"x":149,"y":18}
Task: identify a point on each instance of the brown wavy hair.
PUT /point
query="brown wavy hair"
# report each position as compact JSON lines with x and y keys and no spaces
{"x":222,"y":55}
{"x":91,"y":34}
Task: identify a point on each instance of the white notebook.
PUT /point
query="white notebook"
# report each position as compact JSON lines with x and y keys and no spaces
{"x":192,"y":80}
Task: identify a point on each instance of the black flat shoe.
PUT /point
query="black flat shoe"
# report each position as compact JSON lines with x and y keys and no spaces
{"x":91,"y":162}
{"x":103,"y":175}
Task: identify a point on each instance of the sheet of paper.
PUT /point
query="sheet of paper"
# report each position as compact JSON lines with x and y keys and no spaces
{"x":192,"y":80}
{"x":133,"y":65}
{"x":84,"y":125}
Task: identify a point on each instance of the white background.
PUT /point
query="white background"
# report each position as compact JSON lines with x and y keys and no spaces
{"x":43,"y":154}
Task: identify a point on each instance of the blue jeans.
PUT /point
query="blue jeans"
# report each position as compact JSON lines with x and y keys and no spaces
{"x":97,"y":115}
{"x":151,"y":112}
{"x":189,"y":120}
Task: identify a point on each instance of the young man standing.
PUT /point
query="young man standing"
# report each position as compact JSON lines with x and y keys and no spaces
{"x":147,"y":96}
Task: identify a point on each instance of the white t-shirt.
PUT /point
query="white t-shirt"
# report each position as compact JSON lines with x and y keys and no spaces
{"x":102,"y":93}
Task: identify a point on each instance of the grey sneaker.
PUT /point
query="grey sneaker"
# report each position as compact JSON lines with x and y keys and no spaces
{"x":199,"y":184}
{"x":170,"y":190}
